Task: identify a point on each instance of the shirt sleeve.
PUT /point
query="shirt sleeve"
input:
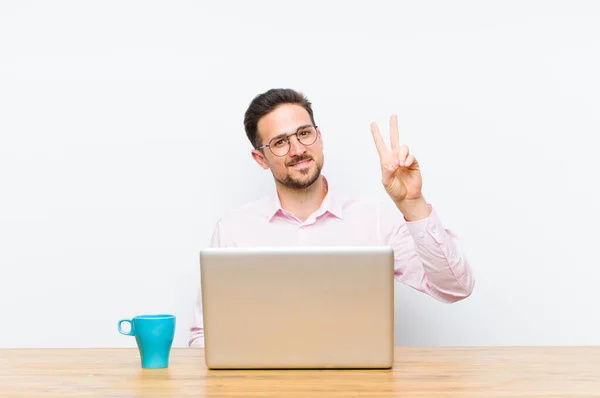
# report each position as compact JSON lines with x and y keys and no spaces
{"x":197,"y":329}
{"x":427,"y":256}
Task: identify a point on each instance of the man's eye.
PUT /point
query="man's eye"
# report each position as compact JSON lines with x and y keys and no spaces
{"x":279,"y":143}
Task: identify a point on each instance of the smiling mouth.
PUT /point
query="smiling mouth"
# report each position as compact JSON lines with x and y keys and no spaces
{"x":301,"y":163}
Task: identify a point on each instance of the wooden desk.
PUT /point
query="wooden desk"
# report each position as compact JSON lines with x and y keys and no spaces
{"x":423,"y":372}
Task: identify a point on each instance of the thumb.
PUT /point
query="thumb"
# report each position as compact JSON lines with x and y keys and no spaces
{"x":388,"y":172}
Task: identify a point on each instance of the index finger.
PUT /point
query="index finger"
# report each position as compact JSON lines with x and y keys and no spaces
{"x":379,"y":143}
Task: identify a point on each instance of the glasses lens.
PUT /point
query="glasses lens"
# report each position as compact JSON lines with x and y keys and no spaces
{"x":307,"y":136}
{"x":279,"y":146}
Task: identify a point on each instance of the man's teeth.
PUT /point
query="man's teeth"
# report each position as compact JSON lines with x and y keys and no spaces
{"x":300,"y":162}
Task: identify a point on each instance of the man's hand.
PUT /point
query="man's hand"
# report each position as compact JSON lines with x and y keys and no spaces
{"x":400,"y":173}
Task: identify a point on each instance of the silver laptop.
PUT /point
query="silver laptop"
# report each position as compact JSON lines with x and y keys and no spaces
{"x":300,"y":307}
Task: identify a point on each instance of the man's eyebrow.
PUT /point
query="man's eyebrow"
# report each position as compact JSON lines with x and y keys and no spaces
{"x":298,"y":129}
{"x":303,"y":127}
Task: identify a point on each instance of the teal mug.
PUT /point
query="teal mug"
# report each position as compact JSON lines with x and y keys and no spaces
{"x":154,"y":337}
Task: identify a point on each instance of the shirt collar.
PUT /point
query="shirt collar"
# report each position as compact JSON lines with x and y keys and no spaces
{"x":331,"y":204}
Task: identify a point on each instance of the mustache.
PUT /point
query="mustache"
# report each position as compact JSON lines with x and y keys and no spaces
{"x":298,"y":160}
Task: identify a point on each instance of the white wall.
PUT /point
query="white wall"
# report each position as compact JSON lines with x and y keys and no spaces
{"x":122,"y":142}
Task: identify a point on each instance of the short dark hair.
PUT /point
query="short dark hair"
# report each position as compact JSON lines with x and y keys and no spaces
{"x":266,"y":102}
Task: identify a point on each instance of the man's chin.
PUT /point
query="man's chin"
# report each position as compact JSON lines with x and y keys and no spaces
{"x":302,"y":182}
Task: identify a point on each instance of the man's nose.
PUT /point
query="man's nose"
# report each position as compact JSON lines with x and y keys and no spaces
{"x":296,"y":148}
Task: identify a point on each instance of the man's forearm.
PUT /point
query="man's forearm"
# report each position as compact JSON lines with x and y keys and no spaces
{"x":414,"y":209}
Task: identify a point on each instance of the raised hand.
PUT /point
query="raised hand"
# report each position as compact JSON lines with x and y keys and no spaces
{"x":400,"y":172}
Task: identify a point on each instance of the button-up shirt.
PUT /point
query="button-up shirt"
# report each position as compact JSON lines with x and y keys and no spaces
{"x":427,"y":256}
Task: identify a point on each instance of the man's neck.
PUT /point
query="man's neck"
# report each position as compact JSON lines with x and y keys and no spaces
{"x":302,"y":202}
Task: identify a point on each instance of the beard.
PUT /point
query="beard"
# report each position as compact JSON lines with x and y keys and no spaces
{"x":294,"y":183}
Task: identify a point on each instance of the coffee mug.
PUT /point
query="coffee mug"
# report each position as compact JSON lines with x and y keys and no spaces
{"x":154,"y":336}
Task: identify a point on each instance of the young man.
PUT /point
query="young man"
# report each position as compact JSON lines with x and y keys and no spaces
{"x":305,"y":211}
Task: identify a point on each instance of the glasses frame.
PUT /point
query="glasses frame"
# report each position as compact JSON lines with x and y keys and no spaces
{"x":287,"y":137}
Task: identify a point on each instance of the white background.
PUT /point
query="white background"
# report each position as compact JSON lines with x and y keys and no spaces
{"x":122,"y":143}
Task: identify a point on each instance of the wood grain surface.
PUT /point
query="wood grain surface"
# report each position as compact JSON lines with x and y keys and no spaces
{"x":418,"y":372}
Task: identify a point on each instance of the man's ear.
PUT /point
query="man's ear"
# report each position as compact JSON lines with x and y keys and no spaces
{"x":320,"y":135}
{"x":259,"y":157}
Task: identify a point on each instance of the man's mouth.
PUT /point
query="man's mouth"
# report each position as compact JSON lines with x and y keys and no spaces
{"x":301,"y":163}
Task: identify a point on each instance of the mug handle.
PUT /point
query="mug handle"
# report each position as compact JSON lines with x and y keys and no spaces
{"x":131,"y":331}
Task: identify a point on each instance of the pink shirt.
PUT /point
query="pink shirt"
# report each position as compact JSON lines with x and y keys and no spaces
{"x":427,"y":256}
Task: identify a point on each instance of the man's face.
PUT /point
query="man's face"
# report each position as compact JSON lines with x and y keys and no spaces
{"x":302,"y":165}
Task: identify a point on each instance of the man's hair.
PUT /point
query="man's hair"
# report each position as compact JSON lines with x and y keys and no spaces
{"x":266,"y":102}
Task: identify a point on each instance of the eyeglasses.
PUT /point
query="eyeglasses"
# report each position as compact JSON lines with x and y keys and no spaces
{"x":280,"y":145}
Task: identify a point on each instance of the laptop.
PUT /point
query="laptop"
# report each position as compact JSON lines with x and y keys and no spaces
{"x":298,"y":307}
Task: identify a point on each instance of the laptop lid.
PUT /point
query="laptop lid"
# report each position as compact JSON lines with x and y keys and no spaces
{"x":300,"y":307}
